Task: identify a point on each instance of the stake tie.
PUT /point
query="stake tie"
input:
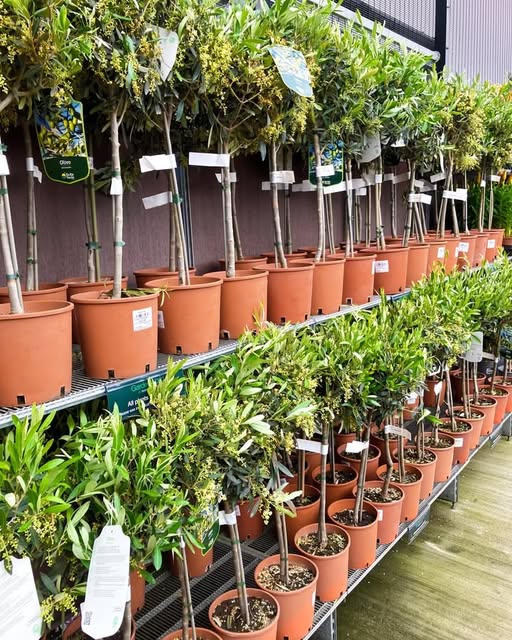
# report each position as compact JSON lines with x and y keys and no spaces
{"x":119,"y":243}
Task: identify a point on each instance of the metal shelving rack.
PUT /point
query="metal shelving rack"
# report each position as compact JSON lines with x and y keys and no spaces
{"x":162,"y":611}
{"x":84,"y":389}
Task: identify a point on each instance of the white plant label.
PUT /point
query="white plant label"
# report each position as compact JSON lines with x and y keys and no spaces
{"x":411,"y":397}
{"x":105,"y":597}
{"x":491,"y":244}
{"x":4,"y":166}
{"x":158,"y":200}
{"x":324,"y":171}
{"x":20,"y":613}
{"x":483,"y":183}
{"x":232,"y":177}
{"x":459,"y":442}
{"x":312,"y":446}
{"x":397,"y":431}
{"x":208,"y":159}
{"x":458,"y":194}
{"x":116,"y":186}
{"x":29,"y":163}
{"x":361,"y":192}
{"x":382,"y":266}
{"x":371,"y":148}
{"x":168,"y":47}
{"x":313,"y":598}
{"x":38,"y":175}
{"x":380,"y":515}
{"x":265,"y":186}
{"x":161,"y":320}
{"x":357,"y":183}
{"x":379,"y":178}
{"x":463,"y":247}
{"x":388,"y":177}
{"x":159,"y":162}
{"x":495,"y":178}
{"x":476,"y":351}
{"x":441,"y":252}
{"x":335,"y":188}
{"x":282,"y":177}
{"x":356,"y":446}
{"x":422,"y":198}
{"x":349,"y":185}
{"x":368,"y":179}
{"x":437,"y":388}
{"x":399,"y":143}
{"x":437,"y":177}
{"x":142,"y":319}
{"x":401,"y":177}
{"x":227,"y":518}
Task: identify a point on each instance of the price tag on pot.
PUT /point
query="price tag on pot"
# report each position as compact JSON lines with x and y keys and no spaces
{"x":491,"y":244}
{"x":475,"y":353}
{"x":382,"y":266}
{"x":356,"y":446}
{"x":312,"y":446}
{"x":437,"y":387}
{"x":459,"y":442}
{"x":105,"y":596}
{"x":142,"y":319}
{"x":20,"y":613}
{"x":380,"y":515}
{"x":441,"y":252}
{"x":397,"y":431}
{"x":463,"y":247}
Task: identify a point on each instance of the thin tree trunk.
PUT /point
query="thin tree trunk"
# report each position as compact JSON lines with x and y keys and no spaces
{"x":329,"y":217}
{"x":368,"y":218}
{"x":379,"y":226}
{"x":349,"y":240}
{"x":408,"y":216}
{"x":320,"y":213}
{"x":322,"y":530}
{"x":4,"y":193}
{"x":491,"y":203}
{"x":186,"y":595}
{"x":392,"y":204}
{"x":288,"y":238}
{"x":465,"y":207}
{"x":117,"y":201}
{"x":455,"y":221}
{"x":449,"y":398}
{"x":238,"y":243}
{"x":278,"y":240}
{"x":481,"y":210}
{"x":31,"y":260}
{"x":441,"y":225}
{"x":239,"y":566}
{"x":389,"y":466}
{"x":93,"y":239}
{"x":228,"y":217}
{"x":358,"y":509}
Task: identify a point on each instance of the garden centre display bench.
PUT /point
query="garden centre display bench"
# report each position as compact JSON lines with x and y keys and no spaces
{"x":162,"y":611}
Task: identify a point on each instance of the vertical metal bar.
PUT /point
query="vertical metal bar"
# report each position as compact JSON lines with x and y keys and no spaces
{"x":440,"y":32}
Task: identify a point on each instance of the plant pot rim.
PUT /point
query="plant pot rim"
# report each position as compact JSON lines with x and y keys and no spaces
{"x":487,"y":396}
{"x":35,"y":309}
{"x":240,"y":274}
{"x":293,"y":265}
{"x":367,"y":505}
{"x":293,"y":558}
{"x":84,"y":280}
{"x":418,"y":245}
{"x":380,"y":252}
{"x":458,"y":407}
{"x":251,"y":593}
{"x":376,"y":483}
{"x":93,"y":297}
{"x":447,"y":421}
{"x":313,"y":490}
{"x":330,"y":528}
{"x":411,"y":466}
{"x":163,"y":269}
{"x":170,"y":283}
{"x":336,"y":464}
{"x":436,"y":240}
{"x":444,"y":435}
{"x":332,"y":260}
{"x":46,"y":287}
{"x":413,"y":446}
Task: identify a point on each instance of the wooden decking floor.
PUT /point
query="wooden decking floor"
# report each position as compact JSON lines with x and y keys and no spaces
{"x":454,"y":582}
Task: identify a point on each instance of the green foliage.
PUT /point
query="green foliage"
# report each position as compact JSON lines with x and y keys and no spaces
{"x":502,"y":213}
{"x":497,"y":142}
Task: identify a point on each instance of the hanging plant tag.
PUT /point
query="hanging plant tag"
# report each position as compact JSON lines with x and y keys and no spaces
{"x":381,"y":266}
{"x":293,"y":69}
{"x":495,"y":178}
{"x":441,"y":251}
{"x":422,"y":198}
{"x":371,"y":148}
{"x":491,"y":244}
{"x":368,"y":178}
{"x":437,"y":177}
{"x":476,"y":350}
{"x":401,"y":177}
{"x":169,"y":42}
{"x":208,"y":159}
{"x":282,"y":177}
{"x":397,"y":431}
{"x":437,"y":387}
{"x":142,"y":319}
{"x":379,"y":178}
{"x":20,"y":612}
{"x":335,"y":188}
{"x":116,"y":186}
{"x":158,"y":200}
{"x":227,"y":518}
{"x":232,"y":177}
{"x":107,"y":581}
{"x":312,"y":446}
{"x":459,"y":442}
{"x":266,"y":186}
{"x":4,"y":166}
{"x":356,"y":446}
{"x":388,"y":177}
{"x":61,"y":136}
{"x":458,"y":194}
{"x":159,"y":162}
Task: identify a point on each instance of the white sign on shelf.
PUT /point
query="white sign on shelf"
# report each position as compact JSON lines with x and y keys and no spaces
{"x":107,"y":582}
{"x":495,"y":178}
{"x":463,"y":247}
{"x":335,"y":188}
{"x":458,"y":194}
{"x":438,"y":387}
{"x":483,"y":183}
{"x":356,"y":446}
{"x":116,"y":186}
{"x":422,"y":198}
{"x":158,"y":162}
{"x":401,"y":177}
{"x":379,"y":178}
{"x":361,"y":192}
{"x":441,"y":251}
{"x":208,"y":159}
{"x":388,"y":177}
{"x":20,"y":612}
{"x":227,"y":518}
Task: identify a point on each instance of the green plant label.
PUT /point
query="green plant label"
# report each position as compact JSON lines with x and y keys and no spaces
{"x":293,"y":69}
{"x":332,"y":156}
{"x":61,"y":136}
{"x":126,"y":396}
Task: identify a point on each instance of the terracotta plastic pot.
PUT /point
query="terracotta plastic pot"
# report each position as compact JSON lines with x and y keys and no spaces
{"x":476,"y":423}
{"x":143,"y":276}
{"x":417,"y":263}
{"x":201,"y":632}
{"x":343,"y":438}
{"x":363,"y":539}
{"x":268,"y":633}
{"x":76,"y":624}
{"x":371,"y":467}
{"x":379,"y":442}
{"x":35,"y":353}
{"x":480,"y":248}
{"x":312,"y":461}
{"x":450,"y":256}
{"x":428,"y":469}
{"x":137,"y":590}
{"x":388,"y":513}
{"x":189,"y":316}
{"x":390,"y":269}
{"x":502,"y":400}
{"x":307,"y":514}
{"x":506,"y":387}
{"x":332,"y":570}
{"x":462,"y":439}
{"x":466,"y":251}
{"x":198,"y":563}
{"x":327,"y":296}
{"x":456,"y":379}
{"x":489,"y":411}
{"x":249,"y":527}
{"x":271,"y":257}
{"x":411,"y":490}
{"x":289,"y":292}
{"x":429,"y":395}
{"x":118,"y":336}
{"x":243,"y":302}
{"x":358,"y":279}
{"x":436,"y":253}
{"x":297,"y":608}
{"x":444,"y":455}
{"x":81,"y":285}
{"x":46,"y":291}
{"x":336,"y":491}
{"x":246,"y":263}
{"x":411,"y":407}
{"x":494,"y":242}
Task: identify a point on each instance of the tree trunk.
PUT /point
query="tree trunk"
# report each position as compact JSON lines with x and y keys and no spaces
{"x":239,"y":566}
{"x":349,"y":240}
{"x":322,"y":530}
{"x":117,"y":207}
{"x":186,"y":595}
{"x":481,"y":210}
{"x":408,"y":217}
{"x":491,"y":203}
{"x":32,"y":283}
{"x":389,"y":466}
{"x":238,"y":243}
{"x":126,"y":625}
{"x":358,"y":509}
{"x":280,"y":259}
{"x":229,"y":240}
{"x":320,"y":213}
{"x":392,"y":204}
{"x":91,"y":223}
{"x":379,"y":225}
